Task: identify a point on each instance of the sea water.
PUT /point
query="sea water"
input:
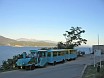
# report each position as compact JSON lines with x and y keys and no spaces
{"x":7,"y":52}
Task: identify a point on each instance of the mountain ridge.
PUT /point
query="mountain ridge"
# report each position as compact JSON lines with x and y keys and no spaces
{"x":11,"y":42}
{"x":35,"y":40}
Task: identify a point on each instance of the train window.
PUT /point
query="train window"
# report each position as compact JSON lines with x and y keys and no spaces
{"x":74,"y":51}
{"x":62,"y":53}
{"x":42,"y":54}
{"x":71,"y":51}
{"x":66,"y":52}
{"x":49,"y":54}
{"x":54,"y":54}
{"x":59,"y":53}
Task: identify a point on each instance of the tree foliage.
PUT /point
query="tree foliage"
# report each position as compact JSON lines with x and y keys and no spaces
{"x":73,"y":38}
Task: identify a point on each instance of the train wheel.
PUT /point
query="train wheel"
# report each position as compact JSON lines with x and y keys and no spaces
{"x":27,"y":67}
{"x":45,"y":65}
{"x":23,"y":67}
{"x":74,"y":58}
{"x":63,"y":61}
{"x":30,"y":67}
{"x":54,"y":63}
{"x":19,"y":67}
{"x":33,"y":67}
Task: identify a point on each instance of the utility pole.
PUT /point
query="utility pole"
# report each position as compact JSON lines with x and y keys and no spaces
{"x":94,"y":58}
{"x":99,"y":50}
{"x":98,"y":41}
{"x":97,"y":53}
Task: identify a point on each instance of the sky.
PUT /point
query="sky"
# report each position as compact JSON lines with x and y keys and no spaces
{"x":49,"y":19}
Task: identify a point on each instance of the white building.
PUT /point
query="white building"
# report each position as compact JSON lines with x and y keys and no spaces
{"x":98,"y":47}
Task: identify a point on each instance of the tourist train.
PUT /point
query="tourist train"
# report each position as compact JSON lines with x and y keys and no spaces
{"x":40,"y":58}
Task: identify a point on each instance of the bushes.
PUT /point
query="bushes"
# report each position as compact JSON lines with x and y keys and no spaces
{"x":10,"y":64}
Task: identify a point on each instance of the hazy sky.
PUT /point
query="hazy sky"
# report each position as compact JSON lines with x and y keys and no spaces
{"x":49,"y":19}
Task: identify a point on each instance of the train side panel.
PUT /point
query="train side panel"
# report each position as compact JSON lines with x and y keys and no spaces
{"x":56,"y":56}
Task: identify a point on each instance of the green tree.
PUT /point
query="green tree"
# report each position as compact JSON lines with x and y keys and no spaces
{"x":73,"y":38}
{"x":61,"y":45}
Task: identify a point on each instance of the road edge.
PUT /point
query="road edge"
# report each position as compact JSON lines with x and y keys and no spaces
{"x":83,"y":70}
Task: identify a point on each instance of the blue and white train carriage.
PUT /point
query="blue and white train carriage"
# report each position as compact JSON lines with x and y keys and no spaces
{"x":61,"y":55}
{"x":56,"y":55}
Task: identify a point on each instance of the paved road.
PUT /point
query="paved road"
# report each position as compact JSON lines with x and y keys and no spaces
{"x":58,"y":71}
{"x":70,"y":69}
{"x":87,"y":59}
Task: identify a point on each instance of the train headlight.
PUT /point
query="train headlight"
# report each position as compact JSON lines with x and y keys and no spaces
{"x":21,"y":67}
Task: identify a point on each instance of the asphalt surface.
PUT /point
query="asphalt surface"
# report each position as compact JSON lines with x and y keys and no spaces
{"x":70,"y":69}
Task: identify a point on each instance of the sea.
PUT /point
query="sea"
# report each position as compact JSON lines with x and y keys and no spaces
{"x":7,"y":52}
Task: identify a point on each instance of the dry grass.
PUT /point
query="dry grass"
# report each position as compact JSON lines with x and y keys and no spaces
{"x":91,"y":72}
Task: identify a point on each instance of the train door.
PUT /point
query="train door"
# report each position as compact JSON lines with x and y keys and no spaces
{"x":42,"y":57}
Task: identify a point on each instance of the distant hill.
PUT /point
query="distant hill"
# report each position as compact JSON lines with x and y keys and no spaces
{"x":25,"y":39}
{"x":6,"y":41}
{"x":23,"y":42}
{"x":34,"y":40}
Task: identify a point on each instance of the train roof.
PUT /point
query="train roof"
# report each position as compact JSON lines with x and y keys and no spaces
{"x":51,"y":50}
{"x":37,"y":50}
{"x":42,"y":50}
{"x":33,"y":50}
